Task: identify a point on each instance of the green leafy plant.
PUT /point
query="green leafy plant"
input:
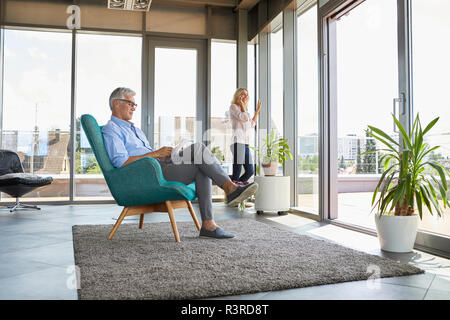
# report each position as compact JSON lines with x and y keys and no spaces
{"x":218,"y":154}
{"x":404,"y":181}
{"x":274,"y":149}
{"x":241,"y":206}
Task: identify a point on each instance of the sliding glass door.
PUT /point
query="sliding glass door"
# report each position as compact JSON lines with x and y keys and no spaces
{"x":367,"y":83}
{"x":380,"y":57}
{"x":431,"y":67}
{"x":308,"y":111}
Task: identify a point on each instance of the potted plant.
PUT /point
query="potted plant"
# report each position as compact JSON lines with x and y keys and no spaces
{"x":273,"y":152}
{"x":409,"y":182}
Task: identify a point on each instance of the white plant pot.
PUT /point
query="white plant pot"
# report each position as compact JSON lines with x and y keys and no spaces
{"x":270,"y":169}
{"x":396,"y":233}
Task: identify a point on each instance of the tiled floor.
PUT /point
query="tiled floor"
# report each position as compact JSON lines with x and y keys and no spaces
{"x":37,"y":261}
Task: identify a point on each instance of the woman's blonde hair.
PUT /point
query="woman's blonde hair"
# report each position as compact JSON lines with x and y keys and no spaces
{"x":236,"y":96}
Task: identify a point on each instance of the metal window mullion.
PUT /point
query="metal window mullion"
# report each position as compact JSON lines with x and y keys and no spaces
{"x":72,"y":185}
{"x":2,"y":44}
{"x":290,"y":95}
{"x":150,"y":89}
{"x":404,"y":48}
{"x":332,"y":122}
{"x":241,"y":49}
{"x":264,"y":87}
{"x":144,"y":78}
{"x":323,"y":103}
{"x":207,"y":62}
{"x":328,"y":202}
{"x":207,"y":137}
{"x":202,"y":114}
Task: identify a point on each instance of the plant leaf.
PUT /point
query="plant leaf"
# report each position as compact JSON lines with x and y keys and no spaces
{"x":425,"y":198}
{"x":438,"y":167}
{"x":430,"y":125}
{"x":419,"y":203}
{"x":381,"y":133}
{"x":403,"y":133}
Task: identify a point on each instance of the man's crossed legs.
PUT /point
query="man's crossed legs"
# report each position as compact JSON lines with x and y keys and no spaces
{"x":197,"y":163}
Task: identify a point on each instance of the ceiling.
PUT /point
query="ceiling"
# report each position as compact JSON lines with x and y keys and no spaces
{"x":241,"y":4}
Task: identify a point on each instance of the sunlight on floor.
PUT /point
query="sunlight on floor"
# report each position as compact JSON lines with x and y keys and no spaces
{"x":291,"y":220}
{"x":349,"y":238}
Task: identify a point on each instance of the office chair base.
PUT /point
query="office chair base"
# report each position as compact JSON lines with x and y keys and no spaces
{"x":21,"y":206}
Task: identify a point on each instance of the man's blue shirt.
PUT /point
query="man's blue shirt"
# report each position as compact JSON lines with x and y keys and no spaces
{"x":122,"y":140}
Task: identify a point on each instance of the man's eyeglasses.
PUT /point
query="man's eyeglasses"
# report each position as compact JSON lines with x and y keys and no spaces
{"x":131,"y":104}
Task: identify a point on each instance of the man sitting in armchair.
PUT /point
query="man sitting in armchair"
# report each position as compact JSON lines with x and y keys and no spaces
{"x":125,"y":143}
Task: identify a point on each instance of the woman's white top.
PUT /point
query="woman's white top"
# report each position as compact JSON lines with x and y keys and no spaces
{"x":242,"y":125}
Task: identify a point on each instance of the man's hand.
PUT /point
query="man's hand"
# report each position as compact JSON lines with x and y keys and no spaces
{"x":164,"y":152}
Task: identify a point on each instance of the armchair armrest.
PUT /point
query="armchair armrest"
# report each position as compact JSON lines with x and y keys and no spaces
{"x":142,"y":182}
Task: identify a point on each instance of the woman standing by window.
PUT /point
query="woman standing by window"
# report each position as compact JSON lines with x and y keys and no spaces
{"x":242,"y":125}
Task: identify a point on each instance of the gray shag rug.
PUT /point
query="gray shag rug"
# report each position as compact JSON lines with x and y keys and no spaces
{"x":149,"y":264}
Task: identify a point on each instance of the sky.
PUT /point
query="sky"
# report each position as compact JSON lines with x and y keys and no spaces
{"x":307,"y":74}
{"x":367,"y":67}
{"x":37,"y":71}
{"x":367,"y":63}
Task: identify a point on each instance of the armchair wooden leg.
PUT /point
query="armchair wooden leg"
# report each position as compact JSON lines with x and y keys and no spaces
{"x":172,"y":220}
{"x":141,"y":221}
{"x":194,"y":217}
{"x":118,"y":222}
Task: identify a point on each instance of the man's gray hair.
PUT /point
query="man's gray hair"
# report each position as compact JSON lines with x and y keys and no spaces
{"x":119,"y":93}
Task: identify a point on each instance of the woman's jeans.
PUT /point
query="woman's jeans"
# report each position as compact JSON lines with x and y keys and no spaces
{"x":241,"y":157}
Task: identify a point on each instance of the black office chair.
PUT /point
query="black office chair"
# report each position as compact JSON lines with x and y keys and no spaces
{"x":15,"y":182}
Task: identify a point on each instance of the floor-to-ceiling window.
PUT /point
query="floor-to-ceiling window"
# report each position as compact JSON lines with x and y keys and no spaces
{"x":367,"y":82}
{"x":36,"y":107}
{"x":223,"y":86}
{"x":175,"y":96}
{"x":381,"y":58}
{"x":276,"y":80}
{"x":104,"y":62}
{"x":308,"y":110}
{"x":431,"y":67}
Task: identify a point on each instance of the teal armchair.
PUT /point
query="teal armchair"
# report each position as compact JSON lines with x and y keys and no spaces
{"x":139,"y":186}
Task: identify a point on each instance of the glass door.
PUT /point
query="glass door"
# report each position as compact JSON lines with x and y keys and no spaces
{"x":380,"y":58}
{"x":308,"y":110}
{"x":176,"y":92}
{"x":430,"y":77}
{"x":366,"y":85}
